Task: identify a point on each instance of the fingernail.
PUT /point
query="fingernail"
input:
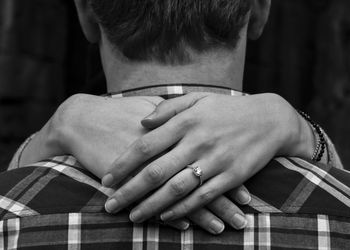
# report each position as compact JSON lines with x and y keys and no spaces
{"x":239,"y":221}
{"x":136,"y":216}
{"x":111,"y":206}
{"x":150,"y":117}
{"x":180,"y":225}
{"x":243,"y":197}
{"x":167,"y":215}
{"x":216,"y":227}
{"x":108,"y":180}
{"x":184,"y":225}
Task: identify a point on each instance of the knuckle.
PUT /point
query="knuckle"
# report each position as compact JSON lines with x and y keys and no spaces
{"x":206,"y":196}
{"x":143,"y":147}
{"x":123,"y":196}
{"x":163,"y":104}
{"x":185,"y":208}
{"x":187,"y":122}
{"x":203,"y":215}
{"x":227,"y":209}
{"x":155,"y":174}
{"x":208,"y":139}
{"x":178,"y":188}
{"x":173,"y":161}
{"x":149,"y":208}
{"x":118,"y":167}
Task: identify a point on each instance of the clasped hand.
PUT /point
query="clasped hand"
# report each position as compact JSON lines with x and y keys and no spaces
{"x":97,"y":130}
{"x":229,"y":138}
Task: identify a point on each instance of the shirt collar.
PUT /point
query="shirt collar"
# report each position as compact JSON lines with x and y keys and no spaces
{"x":175,"y":90}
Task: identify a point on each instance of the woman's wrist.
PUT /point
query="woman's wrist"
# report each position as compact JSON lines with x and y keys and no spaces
{"x":298,"y":139}
{"x":321,"y":144}
{"x":307,"y":141}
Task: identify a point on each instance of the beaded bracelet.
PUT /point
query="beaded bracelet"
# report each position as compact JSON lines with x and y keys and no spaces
{"x":321,"y":141}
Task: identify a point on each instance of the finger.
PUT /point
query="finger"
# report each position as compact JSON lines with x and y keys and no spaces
{"x":143,"y":149}
{"x":175,"y":189}
{"x":170,"y":108}
{"x":199,"y":198}
{"x":181,"y":224}
{"x":228,"y":212}
{"x":241,"y":195}
{"x":150,"y":178}
{"x":207,"y":220}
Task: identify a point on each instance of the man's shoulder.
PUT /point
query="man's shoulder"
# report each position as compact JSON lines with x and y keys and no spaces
{"x":60,"y":200}
{"x":56,"y":185}
{"x":297,"y":186}
{"x":285,"y":185}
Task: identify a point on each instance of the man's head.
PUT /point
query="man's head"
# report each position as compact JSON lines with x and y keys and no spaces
{"x":147,"y":42}
{"x":166,"y":30}
{"x":163,"y":30}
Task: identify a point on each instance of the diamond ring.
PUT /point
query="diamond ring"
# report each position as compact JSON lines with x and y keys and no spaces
{"x":197,"y":171}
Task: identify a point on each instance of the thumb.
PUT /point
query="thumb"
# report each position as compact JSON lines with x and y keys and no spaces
{"x":167,"y":109}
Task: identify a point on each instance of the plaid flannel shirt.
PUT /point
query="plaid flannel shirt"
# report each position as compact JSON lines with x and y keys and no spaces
{"x":57,"y":204}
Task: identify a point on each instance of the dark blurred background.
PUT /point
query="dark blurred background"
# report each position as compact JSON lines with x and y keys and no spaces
{"x":304,"y":55}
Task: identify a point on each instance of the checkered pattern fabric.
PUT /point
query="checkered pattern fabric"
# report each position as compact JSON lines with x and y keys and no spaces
{"x":57,"y":204}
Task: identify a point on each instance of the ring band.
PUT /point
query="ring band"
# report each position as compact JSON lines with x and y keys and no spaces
{"x":197,"y":171}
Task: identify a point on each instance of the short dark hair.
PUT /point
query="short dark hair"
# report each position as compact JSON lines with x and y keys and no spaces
{"x":161,"y":30}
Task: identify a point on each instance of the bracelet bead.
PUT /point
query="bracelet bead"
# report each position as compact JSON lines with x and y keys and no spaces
{"x":321,"y":141}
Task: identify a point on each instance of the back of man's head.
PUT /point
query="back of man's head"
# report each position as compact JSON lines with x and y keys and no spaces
{"x":166,"y":30}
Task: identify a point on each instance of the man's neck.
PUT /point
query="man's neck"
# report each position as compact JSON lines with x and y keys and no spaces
{"x":220,"y":67}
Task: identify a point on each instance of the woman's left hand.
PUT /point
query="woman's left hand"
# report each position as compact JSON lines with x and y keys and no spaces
{"x":228,"y":138}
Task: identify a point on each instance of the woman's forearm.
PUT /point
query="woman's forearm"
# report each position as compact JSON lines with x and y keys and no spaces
{"x":47,"y":143}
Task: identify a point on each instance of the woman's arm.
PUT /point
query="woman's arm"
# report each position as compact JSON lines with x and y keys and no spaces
{"x":93,"y":129}
{"x":229,"y":138}
{"x":96,"y":130}
{"x":79,"y":124}
{"x":43,"y":144}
